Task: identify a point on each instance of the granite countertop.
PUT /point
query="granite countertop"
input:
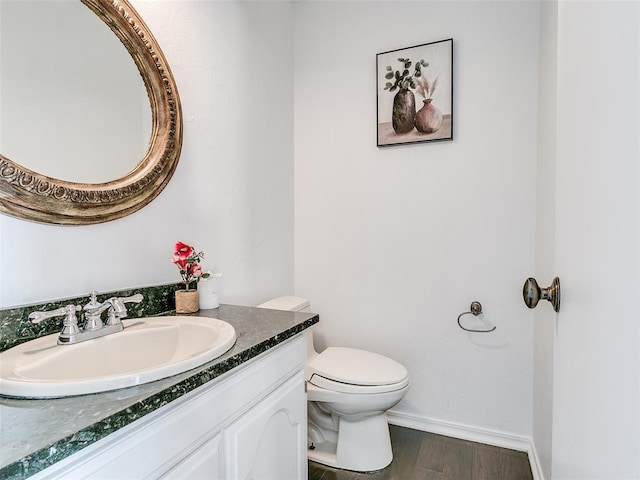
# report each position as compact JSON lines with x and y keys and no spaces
{"x":35,"y":434}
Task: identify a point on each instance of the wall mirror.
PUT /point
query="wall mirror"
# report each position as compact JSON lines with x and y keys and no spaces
{"x":86,"y":135}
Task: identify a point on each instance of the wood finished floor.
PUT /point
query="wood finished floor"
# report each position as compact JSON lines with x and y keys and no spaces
{"x":426,"y":456}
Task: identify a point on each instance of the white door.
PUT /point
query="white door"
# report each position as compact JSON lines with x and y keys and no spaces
{"x":596,"y":366}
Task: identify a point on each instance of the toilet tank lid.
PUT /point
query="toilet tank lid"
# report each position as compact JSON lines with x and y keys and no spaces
{"x":286,"y":303}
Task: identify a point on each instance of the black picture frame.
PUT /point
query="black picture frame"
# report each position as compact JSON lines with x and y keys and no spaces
{"x":403,"y":78}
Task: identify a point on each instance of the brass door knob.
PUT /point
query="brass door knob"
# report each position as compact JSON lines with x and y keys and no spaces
{"x":532,"y":293}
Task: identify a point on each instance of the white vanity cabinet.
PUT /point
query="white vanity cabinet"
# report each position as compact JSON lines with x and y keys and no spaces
{"x":249,"y":423}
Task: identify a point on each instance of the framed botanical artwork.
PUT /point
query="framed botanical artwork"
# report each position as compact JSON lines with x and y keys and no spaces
{"x":415,"y":94}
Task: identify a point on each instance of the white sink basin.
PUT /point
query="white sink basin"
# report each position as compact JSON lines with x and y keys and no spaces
{"x":147,"y":349}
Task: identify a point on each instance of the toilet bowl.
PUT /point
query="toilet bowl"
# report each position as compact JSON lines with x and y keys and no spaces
{"x":349,"y":392}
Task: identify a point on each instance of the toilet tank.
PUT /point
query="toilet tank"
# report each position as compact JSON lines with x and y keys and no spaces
{"x":294,"y":304}
{"x":290,"y":303}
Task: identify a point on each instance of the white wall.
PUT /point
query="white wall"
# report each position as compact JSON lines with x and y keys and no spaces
{"x":392,"y":244}
{"x":596,"y":382}
{"x":232,"y":193}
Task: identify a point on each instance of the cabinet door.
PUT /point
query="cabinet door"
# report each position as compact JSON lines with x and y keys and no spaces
{"x":269,"y":441}
{"x":204,"y":463}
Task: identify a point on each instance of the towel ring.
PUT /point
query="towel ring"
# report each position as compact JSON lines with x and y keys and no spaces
{"x":475,"y":310}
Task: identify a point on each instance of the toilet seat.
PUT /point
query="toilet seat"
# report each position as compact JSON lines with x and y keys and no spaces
{"x":351,"y":370}
{"x":334,"y":386}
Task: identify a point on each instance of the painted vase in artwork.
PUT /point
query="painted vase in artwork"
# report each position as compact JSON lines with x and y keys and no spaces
{"x":404,"y":111}
{"x":429,"y":117}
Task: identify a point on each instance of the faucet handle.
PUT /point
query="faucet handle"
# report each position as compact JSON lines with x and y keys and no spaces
{"x":118,"y":309}
{"x":137,"y":298}
{"x":69,"y":310}
{"x":69,"y":325}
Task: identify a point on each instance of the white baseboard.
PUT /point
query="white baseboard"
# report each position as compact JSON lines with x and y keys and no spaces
{"x":534,"y":460}
{"x":473,"y":434}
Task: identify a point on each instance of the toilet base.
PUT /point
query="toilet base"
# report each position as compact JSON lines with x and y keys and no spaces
{"x":362,"y":445}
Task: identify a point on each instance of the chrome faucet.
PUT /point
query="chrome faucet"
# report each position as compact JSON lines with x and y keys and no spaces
{"x":93,"y":327}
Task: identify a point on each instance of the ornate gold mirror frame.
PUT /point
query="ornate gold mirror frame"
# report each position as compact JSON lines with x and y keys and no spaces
{"x":32,"y":196}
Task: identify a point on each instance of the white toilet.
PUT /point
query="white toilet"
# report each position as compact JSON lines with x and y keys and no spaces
{"x":348,"y":392}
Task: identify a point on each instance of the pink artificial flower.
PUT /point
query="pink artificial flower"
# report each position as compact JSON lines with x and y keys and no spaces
{"x":180,"y":262}
{"x":182,"y":251}
{"x":188,"y":262}
{"x":195,"y":270}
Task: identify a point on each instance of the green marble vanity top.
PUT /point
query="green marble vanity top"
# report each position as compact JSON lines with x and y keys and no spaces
{"x":35,"y":434}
